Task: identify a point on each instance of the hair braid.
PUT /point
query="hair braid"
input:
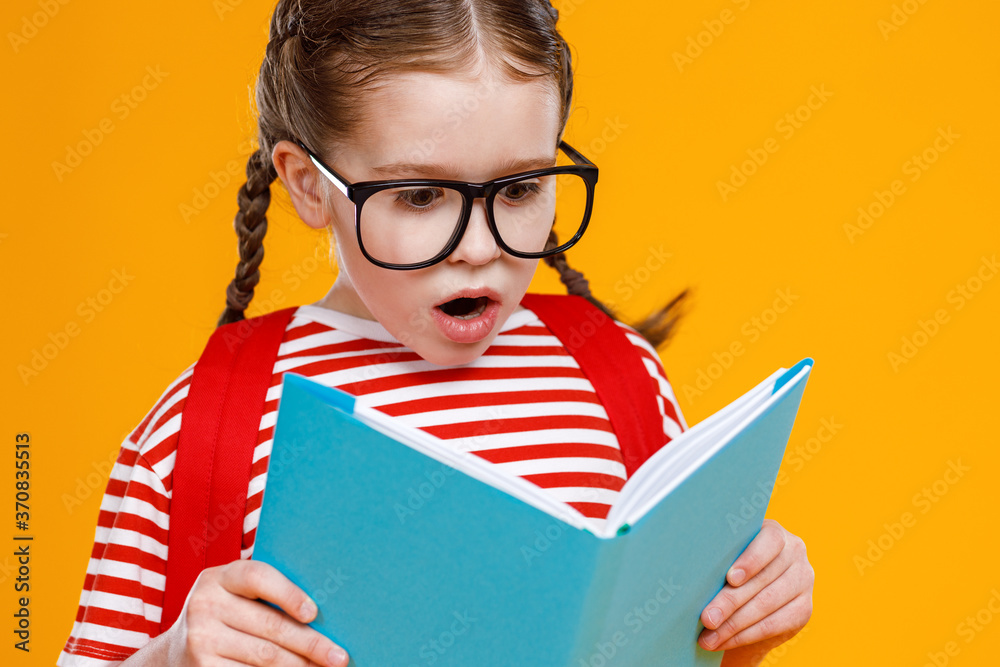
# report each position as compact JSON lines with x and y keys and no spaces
{"x":574,"y":281}
{"x":251,"y":224}
{"x":657,"y":328}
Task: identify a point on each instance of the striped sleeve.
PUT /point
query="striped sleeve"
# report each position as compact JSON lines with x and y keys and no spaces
{"x":122,"y":596}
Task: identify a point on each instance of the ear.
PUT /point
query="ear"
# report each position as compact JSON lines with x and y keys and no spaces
{"x":301,"y":179}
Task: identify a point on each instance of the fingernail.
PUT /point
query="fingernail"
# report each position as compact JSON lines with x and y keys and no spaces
{"x":337,"y":657}
{"x":711,"y":638}
{"x":714,"y":615}
{"x":308,"y":610}
{"x":736,"y":576}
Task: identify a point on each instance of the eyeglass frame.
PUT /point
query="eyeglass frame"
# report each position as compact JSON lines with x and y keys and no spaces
{"x":358,"y":193}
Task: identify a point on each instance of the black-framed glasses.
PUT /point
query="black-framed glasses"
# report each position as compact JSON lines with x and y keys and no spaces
{"x":415,"y":223}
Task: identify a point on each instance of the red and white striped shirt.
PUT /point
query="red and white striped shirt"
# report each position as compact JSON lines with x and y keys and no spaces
{"x":523,"y":405}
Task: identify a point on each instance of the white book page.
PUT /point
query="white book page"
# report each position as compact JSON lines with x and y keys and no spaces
{"x":667,"y":473}
{"x":665,"y":469}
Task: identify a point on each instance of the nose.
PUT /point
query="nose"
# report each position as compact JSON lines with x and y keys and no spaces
{"x":477,"y":246}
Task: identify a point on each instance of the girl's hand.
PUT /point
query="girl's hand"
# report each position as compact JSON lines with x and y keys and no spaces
{"x":766,"y":600}
{"x":223,"y":617}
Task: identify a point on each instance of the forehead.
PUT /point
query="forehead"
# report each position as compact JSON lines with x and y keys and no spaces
{"x":474,"y":124}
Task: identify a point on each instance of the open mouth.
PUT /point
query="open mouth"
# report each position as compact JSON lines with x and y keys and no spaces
{"x":470,"y":316}
{"x":465,"y":308}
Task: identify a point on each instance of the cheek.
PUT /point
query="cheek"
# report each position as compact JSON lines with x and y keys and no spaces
{"x":391,"y":296}
{"x":524,"y":270}
{"x":398,"y":300}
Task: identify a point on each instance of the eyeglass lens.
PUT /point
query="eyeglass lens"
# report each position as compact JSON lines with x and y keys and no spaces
{"x":410,"y":225}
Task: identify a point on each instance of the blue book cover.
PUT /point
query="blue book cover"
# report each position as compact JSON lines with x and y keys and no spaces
{"x":420,"y":555}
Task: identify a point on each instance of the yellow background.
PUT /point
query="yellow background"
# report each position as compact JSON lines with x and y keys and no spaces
{"x":670,"y":134}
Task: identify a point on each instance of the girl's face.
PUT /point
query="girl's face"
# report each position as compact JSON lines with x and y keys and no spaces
{"x":424,"y":125}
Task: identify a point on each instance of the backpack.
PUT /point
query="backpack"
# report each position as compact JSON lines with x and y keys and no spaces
{"x":225,"y":401}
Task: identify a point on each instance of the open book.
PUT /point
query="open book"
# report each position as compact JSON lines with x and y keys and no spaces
{"x":421,"y":555}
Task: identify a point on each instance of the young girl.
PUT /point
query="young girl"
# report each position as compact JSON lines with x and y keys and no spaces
{"x":422,"y":322}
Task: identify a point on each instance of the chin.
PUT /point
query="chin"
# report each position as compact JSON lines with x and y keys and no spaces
{"x":453,"y":354}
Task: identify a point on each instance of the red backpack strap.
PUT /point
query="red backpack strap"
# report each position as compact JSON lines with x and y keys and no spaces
{"x":613,"y":365}
{"x":219,"y":430}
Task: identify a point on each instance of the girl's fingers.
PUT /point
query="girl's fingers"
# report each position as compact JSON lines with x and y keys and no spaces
{"x":786,"y":620}
{"x":764,"y":548}
{"x":276,"y":634}
{"x":256,"y":580}
{"x":733,"y":598}
{"x":793,"y":582}
{"x":247,"y":649}
{"x":250,"y":650}
{"x":230,"y":596}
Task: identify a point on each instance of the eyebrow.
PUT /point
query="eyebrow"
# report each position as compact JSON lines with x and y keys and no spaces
{"x":452,"y":172}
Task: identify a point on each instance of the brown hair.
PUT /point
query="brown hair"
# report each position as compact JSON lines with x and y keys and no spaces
{"x":322,"y":56}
